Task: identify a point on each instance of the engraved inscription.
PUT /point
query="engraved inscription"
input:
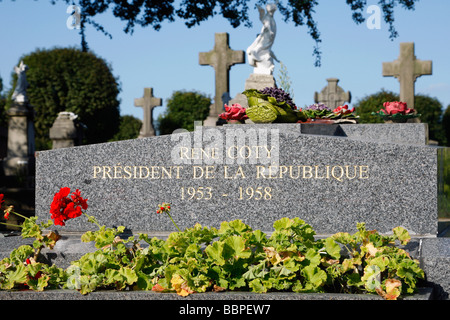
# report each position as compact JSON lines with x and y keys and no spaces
{"x":242,"y":174}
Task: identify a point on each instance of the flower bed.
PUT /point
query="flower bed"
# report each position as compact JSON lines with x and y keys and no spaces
{"x":201,"y":259}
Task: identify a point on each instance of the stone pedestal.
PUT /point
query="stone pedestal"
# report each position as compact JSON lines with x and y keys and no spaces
{"x":20,"y":154}
{"x":255,"y":81}
{"x":65,"y":131}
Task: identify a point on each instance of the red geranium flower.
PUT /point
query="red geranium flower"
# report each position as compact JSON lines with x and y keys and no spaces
{"x":1,"y":199}
{"x":64,"y":207}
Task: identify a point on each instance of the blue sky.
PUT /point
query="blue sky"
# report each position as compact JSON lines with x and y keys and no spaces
{"x":167,"y":60}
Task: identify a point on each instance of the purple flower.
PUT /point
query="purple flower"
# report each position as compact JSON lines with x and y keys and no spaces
{"x":318,"y":107}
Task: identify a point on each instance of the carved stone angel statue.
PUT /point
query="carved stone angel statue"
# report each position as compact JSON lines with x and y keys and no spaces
{"x":20,"y":92}
{"x":259,"y":53}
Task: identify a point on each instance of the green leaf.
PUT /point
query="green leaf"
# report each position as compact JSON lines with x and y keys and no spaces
{"x":30,"y":229}
{"x":272,"y":100}
{"x":144,"y":281}
{"x":281,"y":270}
{"x":332,"y":248}
{"x":89,"y":266}
{"x":372,"y":277}
{"x":410,"y":272}
{"x":257,"y":286}
{"x":354,"y":279}
{"x":215,"y":252}
{"x":129,"y":275}
{"x":236,"y":227}
{"x":313,"y":257}
{"x":314,"y":277}
{"x":234,"y":283}
{"x":283,"y":223}
{"x":402,"y":235}
{"x":17,"y":276}
{"x":19,"y":255}
{"x":255,"y":271}
{"x":34,"y":268}
{"x":343,"y":237}
{"x":234,"y":247}
{"x":87,"y":284}
{"x":38,"y":284}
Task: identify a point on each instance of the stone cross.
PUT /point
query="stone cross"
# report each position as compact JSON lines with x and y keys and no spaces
{"x":147,"y":102}
{"x":221,"y":58}
{"x":407,"y":69}
{"x":332,"y":95}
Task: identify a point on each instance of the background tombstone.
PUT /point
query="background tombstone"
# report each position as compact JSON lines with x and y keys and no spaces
{"x":221,"y":58}
{"x":332,"y":95}
{"x":21,"y":144}
{"x":407,"y":69}
{"x":66,"y":131}
{"x":147,"y":102}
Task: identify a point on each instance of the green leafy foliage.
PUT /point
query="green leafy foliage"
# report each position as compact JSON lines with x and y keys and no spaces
{"x":183,"y":108}
{"x":21,"y":271}
{"x":128,"y":129}
{"x":234,"y":257}
{"x":154,"y":13}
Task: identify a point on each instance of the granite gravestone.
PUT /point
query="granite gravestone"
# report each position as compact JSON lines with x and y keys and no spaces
{"x":257,"y":173}
{"x":332,"y":176}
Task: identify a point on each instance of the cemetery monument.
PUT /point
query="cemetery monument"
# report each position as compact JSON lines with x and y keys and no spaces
{"x":148,"y":102}
{"x":331,"y":176}
{"x":221,"y":58}
{"x":20,"y":152}
{"x":260,"y":56}
{"x":66,"y":131}
{"x":332,"y":95}
{"x":259,"y":53}
{"x":407,"y":68}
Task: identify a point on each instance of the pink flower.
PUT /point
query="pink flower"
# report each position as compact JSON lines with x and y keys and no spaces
{"x":235,"y":112}
{"x":395,"y":107}
{"x":341,"y":110}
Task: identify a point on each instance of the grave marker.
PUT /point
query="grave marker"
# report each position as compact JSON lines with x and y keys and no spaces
{"x":257,"y":173}
{"x":407,"y":69}
{"x":21,"y":144}
{"x":332,"y":95}
{"x":221,"y":58}
{"x":147,"y":102}
{"x":331,"y":178}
